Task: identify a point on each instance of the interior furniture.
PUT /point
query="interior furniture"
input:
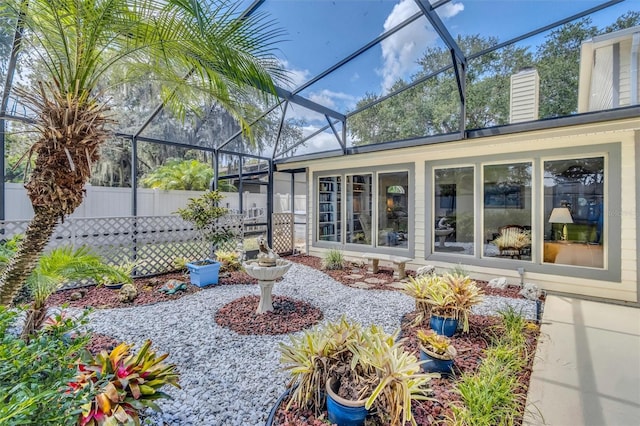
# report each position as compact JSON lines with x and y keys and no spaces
{"x":574,"y":253}
{"x":513,"y":241}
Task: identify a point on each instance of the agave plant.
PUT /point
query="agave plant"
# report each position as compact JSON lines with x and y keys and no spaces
{"x":123,"y":383}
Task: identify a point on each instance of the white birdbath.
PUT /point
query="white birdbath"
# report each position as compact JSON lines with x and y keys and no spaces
{"x":442,"y":234}
{"x":266,"y":276}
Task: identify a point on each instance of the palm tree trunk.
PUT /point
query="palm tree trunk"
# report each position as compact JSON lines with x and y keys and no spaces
{"x":26,"y":258}
{"x":35,"y":317}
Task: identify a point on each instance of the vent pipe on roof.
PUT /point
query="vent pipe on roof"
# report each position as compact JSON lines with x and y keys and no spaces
{"x":524,"y":96}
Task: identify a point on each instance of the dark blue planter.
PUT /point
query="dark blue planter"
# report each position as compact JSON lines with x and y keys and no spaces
{"x":343,"y":412}
{"x":204,"y":273}
{"x":432,"y":364}
{"x":445,"y":326}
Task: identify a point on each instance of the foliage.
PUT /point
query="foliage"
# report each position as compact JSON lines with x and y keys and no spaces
{"x":436,"y":343}
{"x":121,"y":273}
{"x":190,"y":175}
{"x":465,"y":294}
{"x":382,"y":372}
{"x":123,"y":383}
{"x":8,"y":248}
{"x":451,"y":295}
{"x":34,"y":374}
{"x":490,"y":396}
{"x":433,"y":106}
{"x":229,"y":260}
{"x":333,"y":259}
{"x":203,"y":213}
{"x":198,"y":54}
{"x":64,"y":264}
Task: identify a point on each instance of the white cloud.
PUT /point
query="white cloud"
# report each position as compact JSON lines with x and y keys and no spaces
{"x":297,"y":76}
{"x":450,"y":9}
{"x":401,"y":50}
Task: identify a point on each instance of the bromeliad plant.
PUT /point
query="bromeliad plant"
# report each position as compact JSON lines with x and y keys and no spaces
{"x":451,"y":295}
{"x":465,"y":294}
{"x":371,"y":363}
{"x":229,"y":260}
{"x":123,"y":384}
{"x":436,"y":344}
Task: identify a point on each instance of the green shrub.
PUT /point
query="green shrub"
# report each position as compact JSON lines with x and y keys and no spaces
{"x":333,"y":259}
{"x":490,"y":395}
{"x":34,"y":375}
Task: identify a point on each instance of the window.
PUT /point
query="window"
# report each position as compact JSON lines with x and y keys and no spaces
{"x":393,"y":209}
{"x":573,"y":212}
{"x":366,"y":208}
{"x":507,"y":210}
{"x":359,"y":199}
{"x":329,"y":209}
{"x":453,"y":206}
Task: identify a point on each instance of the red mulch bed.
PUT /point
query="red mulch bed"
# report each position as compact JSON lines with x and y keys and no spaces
{"x":470,"y":349}
{"x":386,"y":274}
{"x":99,"y":342}
{"x":101,"y":297}
{"x":288,"y":316}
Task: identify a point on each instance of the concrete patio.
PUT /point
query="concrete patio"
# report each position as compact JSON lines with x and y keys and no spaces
{"x":587,"y":366}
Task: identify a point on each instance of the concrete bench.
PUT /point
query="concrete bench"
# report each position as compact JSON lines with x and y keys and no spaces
{"x":398,"y":261}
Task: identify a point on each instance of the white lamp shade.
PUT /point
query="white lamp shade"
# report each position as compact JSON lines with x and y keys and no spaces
{"x":560,"y":215}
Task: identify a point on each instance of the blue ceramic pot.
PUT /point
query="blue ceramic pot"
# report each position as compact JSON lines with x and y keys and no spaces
{"x":445,"y":326}
{"x":432,"y":364}
{"x":342,"y":411}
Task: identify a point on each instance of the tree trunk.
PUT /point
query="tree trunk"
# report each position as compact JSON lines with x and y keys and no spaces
{"x":26,"y":258}
{"x":35,"y":317}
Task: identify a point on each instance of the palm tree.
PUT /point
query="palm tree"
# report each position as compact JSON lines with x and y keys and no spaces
{"x":61,"y":265}
{"x":197,"y":51}
{"x":190,"y":175}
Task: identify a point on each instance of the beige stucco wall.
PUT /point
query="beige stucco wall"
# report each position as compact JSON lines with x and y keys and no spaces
{"x":625,"y":132}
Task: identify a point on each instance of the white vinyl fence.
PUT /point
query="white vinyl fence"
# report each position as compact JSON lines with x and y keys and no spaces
{"x":101,"y":201}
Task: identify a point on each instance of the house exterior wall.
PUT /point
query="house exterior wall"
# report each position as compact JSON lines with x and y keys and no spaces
{"x":619,"y":282}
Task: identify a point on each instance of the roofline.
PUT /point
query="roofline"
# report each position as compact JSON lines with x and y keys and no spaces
{"x":549,"y":123}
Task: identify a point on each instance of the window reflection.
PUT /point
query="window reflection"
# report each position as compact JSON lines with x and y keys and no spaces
{"x":574,"y":212}
{"x":453,"y":210}
{"x":507,"y":210}
{"x":393,"y":209}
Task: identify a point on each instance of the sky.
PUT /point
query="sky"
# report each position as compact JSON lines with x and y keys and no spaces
{"x":321,"y":32}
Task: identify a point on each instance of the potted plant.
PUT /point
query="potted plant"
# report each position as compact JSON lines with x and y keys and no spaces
{"x":204,"y":214}
{"x":436,"y":352}
{"x":122,"y":274}
{"x":451,"y":297}
{"x":353,"y":372}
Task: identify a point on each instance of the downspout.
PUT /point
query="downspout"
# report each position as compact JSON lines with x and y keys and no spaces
{"x":635,"y":47}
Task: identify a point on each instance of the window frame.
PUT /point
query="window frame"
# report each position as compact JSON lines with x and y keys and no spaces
{"x":613,"y":203}
{"x":408,"y":168}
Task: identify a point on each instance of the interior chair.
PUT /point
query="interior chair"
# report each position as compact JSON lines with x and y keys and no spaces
{"x":513,"y":241}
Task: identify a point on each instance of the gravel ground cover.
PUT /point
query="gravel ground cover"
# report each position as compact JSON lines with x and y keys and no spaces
{"x":233,"y":379}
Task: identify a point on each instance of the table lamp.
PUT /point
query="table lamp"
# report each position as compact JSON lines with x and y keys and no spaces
{"x":561,"y":215}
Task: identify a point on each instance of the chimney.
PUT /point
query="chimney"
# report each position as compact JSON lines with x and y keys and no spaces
{"x":524,"y":95}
